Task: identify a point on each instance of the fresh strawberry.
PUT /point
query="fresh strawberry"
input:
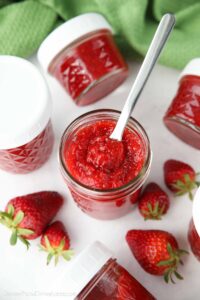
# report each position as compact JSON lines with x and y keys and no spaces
{"x":55,"y":241}
{"x":180,"y":177}
{"x":156,"y":251}
{"x":27,"y":216}
{"x":153,"y":202}
{"x":130,"y":289}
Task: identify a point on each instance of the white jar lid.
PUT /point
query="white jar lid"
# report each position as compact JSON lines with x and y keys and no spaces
{"x":196,"y":211}
{"x":192,"y":68}
{"x":67,"y":33}
{"x":82,"y":270}
{"x":25,"y":105}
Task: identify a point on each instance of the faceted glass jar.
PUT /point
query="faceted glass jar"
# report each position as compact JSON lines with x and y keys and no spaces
{"x":90,"y":67}
{"x":110,"y":203}
{"x":114,"y":282}
{"x":183,"y":115}
{"x":194,"y":240}
{"x":30,"y":156}
{"x":26,"y":135}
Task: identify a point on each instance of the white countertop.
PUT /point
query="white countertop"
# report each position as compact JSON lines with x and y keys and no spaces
{"x":25,"y":276}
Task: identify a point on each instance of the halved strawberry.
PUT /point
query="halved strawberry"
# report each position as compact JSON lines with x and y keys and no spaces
{"x":180,"y":177}
{"x":55,"y":241}
{"x":153,"y":202}
{"x":27,"y":216}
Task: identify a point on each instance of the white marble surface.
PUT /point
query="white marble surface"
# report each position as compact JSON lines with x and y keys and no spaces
{"x":24,"y":275}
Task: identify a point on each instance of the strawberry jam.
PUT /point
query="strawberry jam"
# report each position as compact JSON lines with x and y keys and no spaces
{"x":114,"y":282}
{"x":28,"y":157}
{"x":183,"y":115}
{"x":106,"y":173}
{"x":26,"y":134}
{"x":96,"y":275}
{"x":84,"y":58}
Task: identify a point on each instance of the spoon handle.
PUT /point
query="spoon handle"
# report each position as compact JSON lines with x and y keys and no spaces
{"x":162,"y":33}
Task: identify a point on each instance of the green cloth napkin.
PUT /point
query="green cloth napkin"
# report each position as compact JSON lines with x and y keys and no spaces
{"x":24,"y":24}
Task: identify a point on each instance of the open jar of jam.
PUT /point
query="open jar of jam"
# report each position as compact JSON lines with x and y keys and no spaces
{"x":183,"y":115}
{"x":26,"y":135}
{"x":104,"y":176}
{"x":82,"y":55}
{"x":194,"y":226}
{"x":96,"y":275}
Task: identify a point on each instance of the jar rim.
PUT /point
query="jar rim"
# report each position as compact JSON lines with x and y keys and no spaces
{"x":135,"y":182}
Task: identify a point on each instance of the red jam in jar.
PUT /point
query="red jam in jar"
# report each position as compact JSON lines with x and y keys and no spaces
{"x":104,"y":176}
{"x":183,"y":115}
{"x":194,"y":227}
{"x":96,"y":275}
{"x":26,"y":135}
{"x":82,"y":55}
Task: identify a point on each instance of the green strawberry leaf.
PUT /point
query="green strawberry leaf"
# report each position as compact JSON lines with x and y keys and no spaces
{"x":25,"y":242}
{"x":47,"y":243}
{"x":13,"y":238}
{"x":67,"y":255}
{"x":61,"y":246}
{"x":178,"y":276}
{"x":11,"y":210}
{"x":18,"y":218}
{"x":24,"y":231}
{"x":172,"y":263}
{"x":49,"y":258}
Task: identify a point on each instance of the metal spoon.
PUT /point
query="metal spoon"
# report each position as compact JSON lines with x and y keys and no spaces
{"x":162,"y":33}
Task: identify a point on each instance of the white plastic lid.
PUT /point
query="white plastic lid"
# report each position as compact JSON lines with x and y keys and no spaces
{"x":67,"y":33}
{"x":25,"y":105}
{"x":192,"y":68}
{"x":82,"y":270}
{"x":196,"y":211}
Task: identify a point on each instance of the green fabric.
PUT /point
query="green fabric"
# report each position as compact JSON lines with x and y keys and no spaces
{"x":24,"y":24}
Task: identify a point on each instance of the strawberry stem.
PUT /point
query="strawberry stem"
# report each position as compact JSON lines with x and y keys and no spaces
{"x":56,"y":252}
{"x":172,"y":263}
{"x":12,"y":221}
{"x":153,"y":213}
{"x":186,"y":186}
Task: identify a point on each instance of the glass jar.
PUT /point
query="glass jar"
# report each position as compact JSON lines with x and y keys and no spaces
{"x":26,"y":135}
{"x":96,"y":275}
{"x":183,"y":116}
{"x":82,"y":55}
{"x":194,"y":227}
{"x":109,"y":202}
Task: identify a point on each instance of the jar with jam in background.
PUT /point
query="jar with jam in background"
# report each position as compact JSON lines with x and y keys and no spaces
{"x":26,"y":135}
{"x":183,"y":115}
{"x":83,"y":56}
{"x":96,"y":275}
